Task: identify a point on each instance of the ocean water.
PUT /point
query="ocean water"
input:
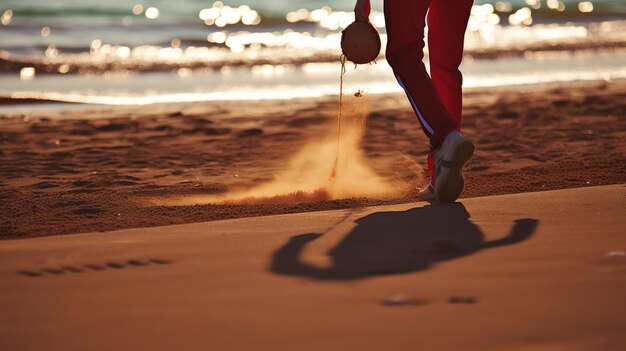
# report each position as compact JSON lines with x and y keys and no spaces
{"x":74,"y":24}
{"x":134,"y":51}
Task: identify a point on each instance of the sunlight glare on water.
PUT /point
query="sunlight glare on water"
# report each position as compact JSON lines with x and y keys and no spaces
{"x":189,"y":51}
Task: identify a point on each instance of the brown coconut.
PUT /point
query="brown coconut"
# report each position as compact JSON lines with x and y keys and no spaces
{"x":360,"y":42}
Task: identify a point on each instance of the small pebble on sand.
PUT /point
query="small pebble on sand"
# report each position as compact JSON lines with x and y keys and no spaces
{"x":402,"y":300}
{"x":616,"y":254}
{"x":462,"y":299}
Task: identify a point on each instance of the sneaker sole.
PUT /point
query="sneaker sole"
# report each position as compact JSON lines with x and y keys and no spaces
{"x":450,"y":186}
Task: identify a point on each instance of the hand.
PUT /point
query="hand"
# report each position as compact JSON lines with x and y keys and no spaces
{"x":362,"y":10}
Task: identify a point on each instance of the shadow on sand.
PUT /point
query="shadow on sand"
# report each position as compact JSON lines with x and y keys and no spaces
{"x":397,"y":242}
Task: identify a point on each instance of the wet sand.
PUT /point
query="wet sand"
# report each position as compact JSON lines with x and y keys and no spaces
{"x":101,"y":168}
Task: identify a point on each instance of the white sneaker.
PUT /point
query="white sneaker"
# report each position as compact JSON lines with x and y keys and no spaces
{"x":427,"y":193}
{"x":450,"y":158}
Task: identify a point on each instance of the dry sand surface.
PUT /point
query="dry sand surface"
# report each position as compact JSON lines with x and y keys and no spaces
{"x":521,"y":272}
{"x":105,"y":168}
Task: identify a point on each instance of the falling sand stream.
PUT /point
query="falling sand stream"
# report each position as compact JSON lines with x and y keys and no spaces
{"x":342,"y":59}
{"x":331,"y":167}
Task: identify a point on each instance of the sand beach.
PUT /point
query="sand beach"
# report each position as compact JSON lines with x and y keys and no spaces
{"x":181,"y":175}
{"x":167,"y":164}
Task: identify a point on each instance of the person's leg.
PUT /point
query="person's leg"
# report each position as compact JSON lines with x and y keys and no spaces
{"x":447,"y":21}
{"x":405,"y":21}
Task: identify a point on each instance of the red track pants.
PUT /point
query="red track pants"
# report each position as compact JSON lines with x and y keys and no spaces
{"x":436,"y":99}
